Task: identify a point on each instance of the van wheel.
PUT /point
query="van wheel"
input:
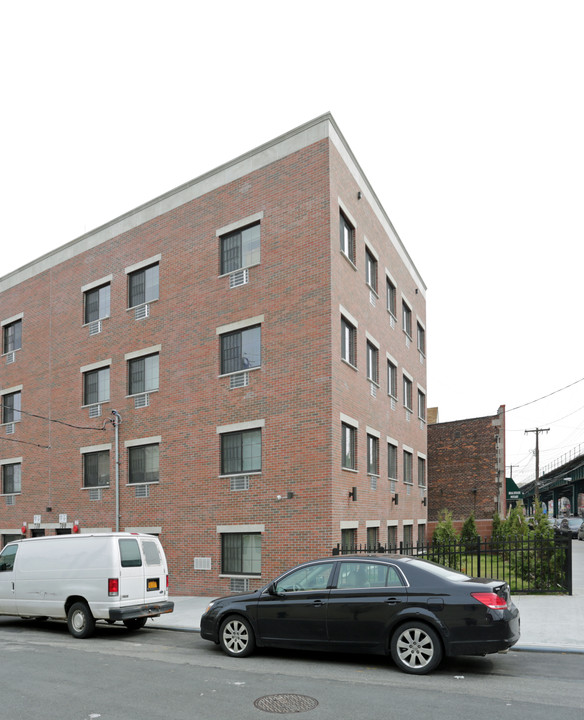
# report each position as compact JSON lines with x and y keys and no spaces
{"x":135,"y":623}
{"x":80,"y":621}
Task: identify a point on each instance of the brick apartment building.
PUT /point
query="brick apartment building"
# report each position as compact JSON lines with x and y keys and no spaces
{"x":466,"y":469}
{"x":238,"y":366}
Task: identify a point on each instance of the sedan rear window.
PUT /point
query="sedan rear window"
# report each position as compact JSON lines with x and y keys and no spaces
{"x":438,"y":570}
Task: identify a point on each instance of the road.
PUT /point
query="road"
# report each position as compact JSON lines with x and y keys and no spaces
{"x":164,"y":675}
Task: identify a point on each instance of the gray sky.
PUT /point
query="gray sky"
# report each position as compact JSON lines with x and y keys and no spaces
{"x":467,"y":118}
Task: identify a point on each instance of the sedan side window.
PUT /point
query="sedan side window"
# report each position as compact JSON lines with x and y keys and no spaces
{"x":7,"y":558}
{"x":313,"y":577}
{"x":366,"y":575}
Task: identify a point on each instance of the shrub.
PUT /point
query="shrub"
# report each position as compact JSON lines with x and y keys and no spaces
{"x":469,"y":535}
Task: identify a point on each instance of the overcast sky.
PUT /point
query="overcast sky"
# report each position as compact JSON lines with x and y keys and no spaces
{"x":466,"y":117}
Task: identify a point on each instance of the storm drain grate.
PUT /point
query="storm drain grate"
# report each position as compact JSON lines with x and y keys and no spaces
{"x":286,"y":703}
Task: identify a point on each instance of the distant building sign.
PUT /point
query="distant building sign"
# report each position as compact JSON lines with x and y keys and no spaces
{"x":513,"y":492}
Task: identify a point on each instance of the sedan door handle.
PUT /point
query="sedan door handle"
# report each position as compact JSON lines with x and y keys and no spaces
{"x":393,"y":601}
{"x":318,"y":603}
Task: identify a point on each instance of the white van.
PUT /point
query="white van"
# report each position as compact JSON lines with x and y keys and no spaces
{"x":84,"y":578}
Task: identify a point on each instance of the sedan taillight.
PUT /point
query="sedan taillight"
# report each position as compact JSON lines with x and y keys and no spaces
{"x":491,"y":600}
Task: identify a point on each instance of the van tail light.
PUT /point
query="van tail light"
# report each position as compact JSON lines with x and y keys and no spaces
{"x":491,"y":600}
{"x":167,"y":582}
{"x":113,"y":586}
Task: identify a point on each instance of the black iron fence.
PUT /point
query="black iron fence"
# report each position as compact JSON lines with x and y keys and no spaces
{"x":529,"y":565}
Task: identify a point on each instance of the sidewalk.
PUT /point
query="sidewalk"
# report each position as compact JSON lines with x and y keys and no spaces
{"x":553,"y":623}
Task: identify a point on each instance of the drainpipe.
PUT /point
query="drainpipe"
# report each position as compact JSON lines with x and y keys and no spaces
{"x":116,"y":423}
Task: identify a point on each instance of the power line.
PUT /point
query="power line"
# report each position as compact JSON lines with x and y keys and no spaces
{"x":60,"y":422}
{"x":544,"y":396}
{"x":25,"y":442}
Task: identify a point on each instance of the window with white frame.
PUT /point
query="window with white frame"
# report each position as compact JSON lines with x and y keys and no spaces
{"x":408,"y":467}
{"x":348,"y":342}
{"x":372,"y":363}
{"x":421,"y":339}
{"x":143,"y":373}
{"x":391,"y":461}
{"x":391,"y":297}
{"x":421,"y":405}
{"x":392,"y":379}
{"x":241,"y":553}
{"x":240,"y":248}
{"x":371,"y":270}
{"x":347,"y":237}
{"x":96,"y":469}
{"x":96,"y":386}
{"x":11,"y":407}
{"x":143,"y":463}
{"x":348,"y":446}
{"x":96,"y":303}
{"x":143,"y":285}
{"x":241,"y":451}
{"x":372,"y":455}
{"x":11,"y":476}
{"x":241,"y":349}
{"x":12,"y":336}
{"x":407,"y":319}
{"x":421,"y":471}
{"x":407,"y":385}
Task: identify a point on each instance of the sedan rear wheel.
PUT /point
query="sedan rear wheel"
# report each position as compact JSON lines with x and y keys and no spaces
{"x":236,"y":637}
{"x":416,"y":648}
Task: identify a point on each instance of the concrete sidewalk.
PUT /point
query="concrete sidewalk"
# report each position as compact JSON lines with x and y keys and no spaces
{"x":548,"y":622}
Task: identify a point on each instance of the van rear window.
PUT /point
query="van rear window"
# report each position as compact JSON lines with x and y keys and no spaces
{"x":130,"y":553}
{"x":151,"y":554}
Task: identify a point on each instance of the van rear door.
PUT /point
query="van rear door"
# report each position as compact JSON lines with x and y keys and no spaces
{"x":132,"y":579}
{"x":156,"y":570}
{"x":7,"y":596}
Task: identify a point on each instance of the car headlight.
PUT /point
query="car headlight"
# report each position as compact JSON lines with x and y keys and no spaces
{"x":209,"y":606}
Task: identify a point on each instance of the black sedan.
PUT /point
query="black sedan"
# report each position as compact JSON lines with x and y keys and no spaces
{"x":412,"y":609}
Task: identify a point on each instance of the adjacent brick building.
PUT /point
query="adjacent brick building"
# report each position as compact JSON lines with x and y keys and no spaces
{"x":238,"y":366}
{"x":466,"y":469}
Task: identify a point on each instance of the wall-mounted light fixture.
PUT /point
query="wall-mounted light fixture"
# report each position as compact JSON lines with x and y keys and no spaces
{"x":288,"y":496}
{"x":359,"y":195}
{"x":424,"y":501}
{"x":353,"y":494}
{"x":395,"y":499}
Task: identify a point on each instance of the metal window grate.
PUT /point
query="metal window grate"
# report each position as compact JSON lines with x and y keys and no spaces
{"x":142,"y":491}
{"x":392,"y":486}
{"x":141,"y":401}
{"x":240,"y":482}
{"x":10,"y":429}
{"x":95,"y":494}
{"x":373,"y":482}
{"x":238,"y":381}
{"x":393,"y":404}
{"x":392,"y":322}
{"x":408,"y":415}
{"x":94,"y":411}
{"x":372,"y":298}
{"x":202,"y":563}
{"x":10,"y":357}
{"x":95,"y":327}
{"x":141,"y":312}
{"x":239,"y":585}
{"x":421,"y":358}
{"x":236,"y":279}
{"x":10,"y":499}
{"x":408,"y":341}
{"x":373,"y":390}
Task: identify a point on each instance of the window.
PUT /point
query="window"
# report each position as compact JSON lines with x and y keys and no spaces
{"x":130,"y":553}
{"x":421,"y":472}
{"x":392,"y":379}
{"x":97,"y":303}
{"x":421,"y":405}
{"x":241,"y":553}
{"x":96,"y":385}
{"x":348,"y":447}
{"x":348,"y":342}
{"x":391,"y":537}
{"x":421,"y":339}
{"x":371,"y":270}
{"x":391,"y":297}
{"x":241,"y":452}
{"x":240,"y":249}
{"x":407,"y":318}
{"x":347,"y":540}
{"x":313,"y":577}
{"x":372,"y":543}
{"x":347,"y":238}
{"x":408,"y":478}
{"x":96,"y":467}
{"x":392,"y":461}
{"x":372,"y":363}
{"x":7,"y":557}
{"x":11,"y":406}
{"x":143,"y":374}
{"x":12,"y":336}
{"x":372,"y":455}
{"x":143,"y":285}
{"x":241,"y":350}
{"x":144,"y":464}
{"x":408,"y":537}
{"x":421,"y":534}
{"x":407,"y":393}
{"x":11,"y":478}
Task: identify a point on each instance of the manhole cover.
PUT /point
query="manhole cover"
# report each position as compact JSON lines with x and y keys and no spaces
{"x":285,"y":703}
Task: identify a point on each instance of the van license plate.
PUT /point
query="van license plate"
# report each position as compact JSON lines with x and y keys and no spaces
{"x":153,"y":584}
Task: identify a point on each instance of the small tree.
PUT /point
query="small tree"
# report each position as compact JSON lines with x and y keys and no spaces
{"x":515,"y":525}
{"x":469,"y":535}
{"x":445,"y":541}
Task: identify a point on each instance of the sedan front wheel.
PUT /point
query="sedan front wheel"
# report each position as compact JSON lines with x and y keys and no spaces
{"x":416,"y":648}
{"x":236,"y":637}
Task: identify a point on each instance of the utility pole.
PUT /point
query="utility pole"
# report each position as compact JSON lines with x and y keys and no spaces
{"x":537,"y":431}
